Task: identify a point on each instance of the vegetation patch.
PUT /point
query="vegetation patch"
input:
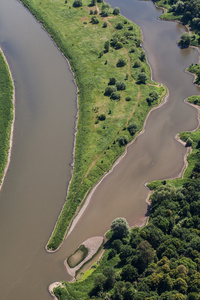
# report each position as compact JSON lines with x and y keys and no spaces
{"x":6,"y":113}
{"x":98,"y":53}
{"x":77,"y":257}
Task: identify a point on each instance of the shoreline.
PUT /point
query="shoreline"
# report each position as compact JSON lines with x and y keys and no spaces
{"x":12,"y":126}
{"x":75,"y":127}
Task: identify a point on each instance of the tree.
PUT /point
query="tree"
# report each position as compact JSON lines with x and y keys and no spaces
{"x":121,"y":85}
{"x":93,"y":3}
{"x":121,"y":62}
{"x":77,"y":3}
{"x":185,"y":40}
{"x":123,"y":140}
{"x":109,"y":90}
{"x":188,"y":142}
{"x":120,"y":228}
{"x":112,"y":81}
{"x":105,"y":24}
{"x":94,"y":20}
{"x":115,"y":96}
{"x":132,"y":128}
{"x":116,"y":11}
{"x":119,"y":26}
{"x":129,"y":273}
{"x":107,"y":46}
{"x":142,"y":77}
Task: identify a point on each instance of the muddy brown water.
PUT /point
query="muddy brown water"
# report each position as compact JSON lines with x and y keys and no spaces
{"x":35,"y":186}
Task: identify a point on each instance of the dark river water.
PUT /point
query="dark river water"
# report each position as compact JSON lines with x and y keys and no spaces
{"x":35,"y":186}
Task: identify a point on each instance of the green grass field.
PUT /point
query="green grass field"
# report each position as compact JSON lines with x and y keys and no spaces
{"x":6,"y":112}
{"x":98,"y":142}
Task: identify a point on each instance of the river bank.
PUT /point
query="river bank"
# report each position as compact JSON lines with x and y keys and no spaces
{"x":7,"y":116}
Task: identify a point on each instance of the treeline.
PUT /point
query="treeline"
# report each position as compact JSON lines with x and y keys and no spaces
{"x":159,"y":261}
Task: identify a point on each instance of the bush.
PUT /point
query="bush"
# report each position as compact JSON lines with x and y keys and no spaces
{"x":132,"y":128}
{"x":136,"y":64}
{"x":184,"y":40}
{"x":112,"y":81}
{"x":128,"y":98}
{"x":105,"y":25}
{"x":94,"y":20}
{"x":142,"y":77}
{"x":115,"y":96}
{"x":104,"y":13}
{"x":102,"y":117}
{"x":123,"y":141}
{"x":109,"y":90}
{"x":121,"y":62}
{"x":77,"y":3}
{"x":189,"y":142}
{"x":118,"y":45}
{"x":116,"y":11}
{"x":119,"y":26}
{"x":121,"y":85}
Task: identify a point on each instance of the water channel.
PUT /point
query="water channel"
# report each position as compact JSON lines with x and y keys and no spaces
{"x":35,"y":186}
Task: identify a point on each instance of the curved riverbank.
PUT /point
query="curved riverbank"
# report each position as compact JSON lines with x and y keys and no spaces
{"x":7,"y":88}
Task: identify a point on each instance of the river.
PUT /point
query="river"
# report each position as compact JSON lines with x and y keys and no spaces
{"x":35,"y":186}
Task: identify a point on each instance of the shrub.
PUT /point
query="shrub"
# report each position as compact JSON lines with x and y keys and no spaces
{"x":142,"y":77}
{"x":130,"y":27}
{"x":109,"y":90}
{"x":118,"y":45}
{"x":104,"y":13}
{"x":188,"y":142}
{"x":121,"y":62}
{"x":128,"y":98}
{"x":116,"y":11}
{"x":115,"y":96}
{"x":105,"y":25}
{"x":184,"y":40}
{"x":119,"y":26}
{"x":136,"y":64}
{"x":94,"y":20}
{"x":123,"y":140}
{"x":121,"y":85}
{"x":132,"y":128}
{"x":77,"y":3}
{"x":102,"y":117}
{"x":106,"y":46}
{"x":112,"y":81}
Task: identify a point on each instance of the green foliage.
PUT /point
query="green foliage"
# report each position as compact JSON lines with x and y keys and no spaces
{"x":94,"y":20}
{"x":142,"y":77}
{"x":184,"y":41}
{"x":107,"y":46}
{"x":116,"y":11}
{"x":120,"y":85}
{"x":119,"y":26}
{"x":6,"y":113}
{"x":132,"y":128}
{"x":77,"y":3}
{"x":120,"y":228}
{"x":121,"y":62}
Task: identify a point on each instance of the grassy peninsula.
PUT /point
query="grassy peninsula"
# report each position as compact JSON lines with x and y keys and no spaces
{"x":6,"y":113}
{"x":115,"y":88}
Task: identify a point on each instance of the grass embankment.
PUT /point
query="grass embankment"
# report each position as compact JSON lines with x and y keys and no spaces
{"x":105,"y":124}
{"x":6,"y":113}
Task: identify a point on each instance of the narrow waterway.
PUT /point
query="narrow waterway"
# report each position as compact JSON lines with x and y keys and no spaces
{"x":35,"y":186}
